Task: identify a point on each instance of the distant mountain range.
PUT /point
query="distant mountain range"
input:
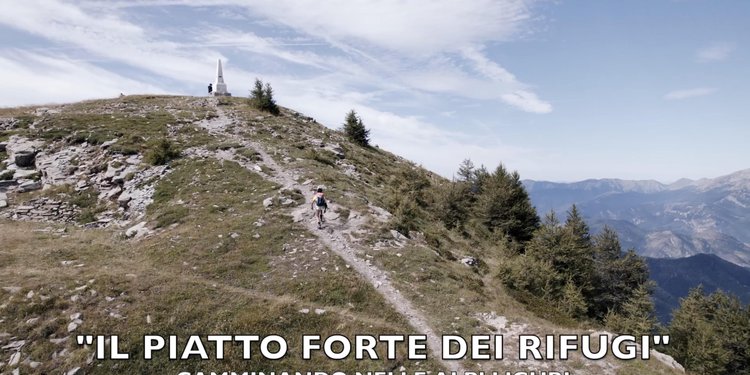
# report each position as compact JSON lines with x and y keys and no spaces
{"x":688,"y":217}
{"x":675,"y":277}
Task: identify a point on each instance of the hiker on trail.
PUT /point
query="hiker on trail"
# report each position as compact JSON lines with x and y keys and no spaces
{"x":210,"y":88}
{"x":319,"y":204}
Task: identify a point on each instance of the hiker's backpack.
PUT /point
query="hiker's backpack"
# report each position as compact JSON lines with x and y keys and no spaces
{"x":321,"y":201}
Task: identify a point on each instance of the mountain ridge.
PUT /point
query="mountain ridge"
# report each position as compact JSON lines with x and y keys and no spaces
{"x":676,"y":277}
{"x":680,"y":219}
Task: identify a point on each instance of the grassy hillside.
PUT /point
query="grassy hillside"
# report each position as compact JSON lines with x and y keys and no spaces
{"x":231,"y":246}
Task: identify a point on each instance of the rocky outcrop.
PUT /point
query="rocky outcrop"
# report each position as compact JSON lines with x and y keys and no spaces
{"x":68,"y":165}
{"x":43,"y":209}
{"x":7,"y":123}
{"x":123,"y":184}
{"x":20,"y":146}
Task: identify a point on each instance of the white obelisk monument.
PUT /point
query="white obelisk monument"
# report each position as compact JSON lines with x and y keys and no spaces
{"x":220,"y":88}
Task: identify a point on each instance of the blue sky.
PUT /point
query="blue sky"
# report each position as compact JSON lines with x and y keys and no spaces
{"x":558,"y":90}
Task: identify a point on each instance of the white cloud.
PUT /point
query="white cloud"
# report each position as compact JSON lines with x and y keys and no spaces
{"x":518,"y":96}
{"x":388,"y":45}
{"x":414,"y":27}
{"x":106,"y":35}
{"x":689,"y":93}
{"x":417,"y":26}
{"x":410,"y":50}
{"x":527,"y":101}
{"x":715,"y":52}
{"x":35,"y":78}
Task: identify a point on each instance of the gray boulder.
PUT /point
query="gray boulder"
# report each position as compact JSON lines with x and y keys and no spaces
{"x":29,"y":186}
{"x":123,"y":200}
{"x":138,"y":230}
{"x":268,"y":202}
{"x":25,"y":158}
{"x":398,"y":236}
{"x":470,"y":261}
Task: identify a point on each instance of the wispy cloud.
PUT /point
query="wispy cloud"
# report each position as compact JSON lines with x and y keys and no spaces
{"x":105,"y":34}
{"x":351,"y":58}
{"x":716,"y":52}
{"x":383,"y":55}
{"x":518,"y":95}
{"x":689,"y":93}
{"x":37,"y":78}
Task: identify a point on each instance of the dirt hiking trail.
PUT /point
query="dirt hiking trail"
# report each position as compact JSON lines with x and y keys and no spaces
{"x":334,"y":235}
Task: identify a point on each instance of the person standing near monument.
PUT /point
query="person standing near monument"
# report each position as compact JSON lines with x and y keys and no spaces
{"x":210,"y":88}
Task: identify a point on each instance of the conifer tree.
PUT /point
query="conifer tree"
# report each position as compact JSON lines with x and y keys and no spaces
{"x":572,"y":301}
{"x":577,"y":228}
{"x":454,"y":204}
{"x":261,"y":97}
{"x":503,"y":205}
{"x":635,"y":316}
{"x":694,"y":339}
{"x":617,"y":274}
{"x":466,"y":171}
{"x":568,"y":248}
{"x":257,"y":93}
{"x":356,"y":130}
{"x":711,"y":334}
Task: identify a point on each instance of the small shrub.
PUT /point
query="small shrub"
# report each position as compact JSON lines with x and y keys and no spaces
{"x":84,"y":199}
{"x":161,"y":152}
{"x":86,"y":216}
{"x":406,"y":218}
